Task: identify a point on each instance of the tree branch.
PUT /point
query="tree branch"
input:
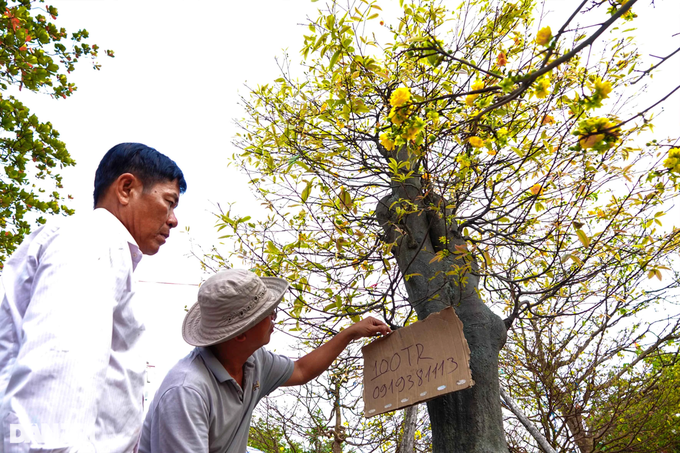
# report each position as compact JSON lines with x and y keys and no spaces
{"x":535,"y":433}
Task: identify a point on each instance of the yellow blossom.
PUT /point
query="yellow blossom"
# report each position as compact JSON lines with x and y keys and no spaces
{"x":397,"y":116}
{"x":411,"y":133}
{"x":476,"y":142}
{"x":536,"y":189}
{"x":598,"y":133}
{"x":386,"y":142}
{"x":470,"y":98}
{"x":542,"y":87}
{"x":400,"y":96}
{"x":673,"y":161}
{"x":417,"y":125}
{"x":491,"y":152}
{"x":591,"y":140}
{"x":548,"y":119}
{"x":670,"y":162}
{"x":501,"y":59}
{"x":602,"y":88}
{"x":543,"y":36}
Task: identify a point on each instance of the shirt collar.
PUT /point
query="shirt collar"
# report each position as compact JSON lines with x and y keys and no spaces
{"x":119,"y":229}
{"x":215,"y":367}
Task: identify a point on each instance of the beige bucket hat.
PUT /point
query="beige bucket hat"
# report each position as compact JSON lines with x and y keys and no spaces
{"x":229,"y":303}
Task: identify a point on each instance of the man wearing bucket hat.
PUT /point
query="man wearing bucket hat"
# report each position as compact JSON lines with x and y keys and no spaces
{"x":206,"y":401}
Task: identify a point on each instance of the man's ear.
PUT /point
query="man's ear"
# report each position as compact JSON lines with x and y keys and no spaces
{"x":124,"y":187}
{"x":240,"y":338}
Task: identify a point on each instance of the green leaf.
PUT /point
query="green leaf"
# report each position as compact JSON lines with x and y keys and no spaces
{"x":583,"y":237}
{"x":272,"y":249}
{"x":334,"y":58}
{"x":306,"y":191}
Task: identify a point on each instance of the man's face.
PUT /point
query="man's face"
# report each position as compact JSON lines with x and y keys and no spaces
{"x":152,"y":215}
{"x":261,"y":332}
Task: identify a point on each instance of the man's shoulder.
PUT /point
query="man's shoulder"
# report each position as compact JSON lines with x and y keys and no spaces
{"x":189,"y":372}
{"x":263,"y":355}
{"x":64,"y":228}
{"x":86,"y":233}
{"x":272,"y":365}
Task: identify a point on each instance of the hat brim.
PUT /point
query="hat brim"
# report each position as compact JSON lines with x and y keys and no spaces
{"x":194,"y":332}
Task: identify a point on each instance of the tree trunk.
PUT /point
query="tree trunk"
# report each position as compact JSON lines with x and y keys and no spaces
{"x":407,"y":444}
{"x":339,"y":431}
{"x":471,"y":420}
{"x":467,"y":421}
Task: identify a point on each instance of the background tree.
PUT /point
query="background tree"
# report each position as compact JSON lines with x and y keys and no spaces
{"x":650,"y":419}
{"x":468,"y":158}
{"x":36,"y":55}
{"x":581,"y":378}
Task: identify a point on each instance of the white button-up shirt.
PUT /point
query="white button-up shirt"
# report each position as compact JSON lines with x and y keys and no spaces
{"x":71,"y":373}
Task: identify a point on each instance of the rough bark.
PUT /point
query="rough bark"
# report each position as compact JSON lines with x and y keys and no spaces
{"x":338,"y":433}
{"x":407,"y":444}
{"x":467,"y":421}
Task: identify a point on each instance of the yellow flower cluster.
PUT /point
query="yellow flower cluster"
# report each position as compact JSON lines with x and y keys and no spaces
{"x":400,"y":96}
{"x":536,"y":189}
{"x":470,"y":99}
{"x":602,"y":89}
{"x":590,"y":141}
{"x":673,"y":161}
{"x":543,"y":36}
{"x":386,"y":142}
{"x":597,"y":133}
{"x":415,"y":128}
{"x":476,"y":142}
{"x":542,"y":87}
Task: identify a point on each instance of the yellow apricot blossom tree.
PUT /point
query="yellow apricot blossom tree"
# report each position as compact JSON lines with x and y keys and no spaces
{"x":467,"y":157}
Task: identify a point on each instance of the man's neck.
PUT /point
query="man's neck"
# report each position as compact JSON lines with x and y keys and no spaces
{"x":232,"y":357}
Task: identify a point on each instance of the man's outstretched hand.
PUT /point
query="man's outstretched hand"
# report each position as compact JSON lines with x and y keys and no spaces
{"x":368,"y":327}
{"x":313,"y":364}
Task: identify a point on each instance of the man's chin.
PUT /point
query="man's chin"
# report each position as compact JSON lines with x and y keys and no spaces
{"x":150,"y":250}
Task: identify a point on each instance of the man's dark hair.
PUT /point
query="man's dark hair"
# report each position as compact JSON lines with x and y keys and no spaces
{"x":145,"y":163}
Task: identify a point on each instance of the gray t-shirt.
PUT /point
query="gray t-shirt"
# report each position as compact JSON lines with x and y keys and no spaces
{"x":200,"y":407}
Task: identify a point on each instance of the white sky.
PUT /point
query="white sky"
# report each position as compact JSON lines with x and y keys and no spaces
{"x":174,"y":85}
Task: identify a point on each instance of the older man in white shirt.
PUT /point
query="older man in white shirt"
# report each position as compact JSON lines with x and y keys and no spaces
{"x":71,"y":376}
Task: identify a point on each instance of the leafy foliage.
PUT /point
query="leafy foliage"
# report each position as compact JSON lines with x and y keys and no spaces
{"x":36,"y":55}
{"x":554,"y":194}
{"x":650,"y":419}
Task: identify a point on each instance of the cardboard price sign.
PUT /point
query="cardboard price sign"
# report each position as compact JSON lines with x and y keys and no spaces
{"x":427,"y":359}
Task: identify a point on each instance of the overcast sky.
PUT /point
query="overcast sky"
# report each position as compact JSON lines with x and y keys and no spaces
{"x":174,"y":85}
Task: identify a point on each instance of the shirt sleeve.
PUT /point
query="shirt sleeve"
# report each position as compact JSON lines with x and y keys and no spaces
{"x":65,"y":344}
{"x":276,"y":370}
{"x":180,"y":422}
